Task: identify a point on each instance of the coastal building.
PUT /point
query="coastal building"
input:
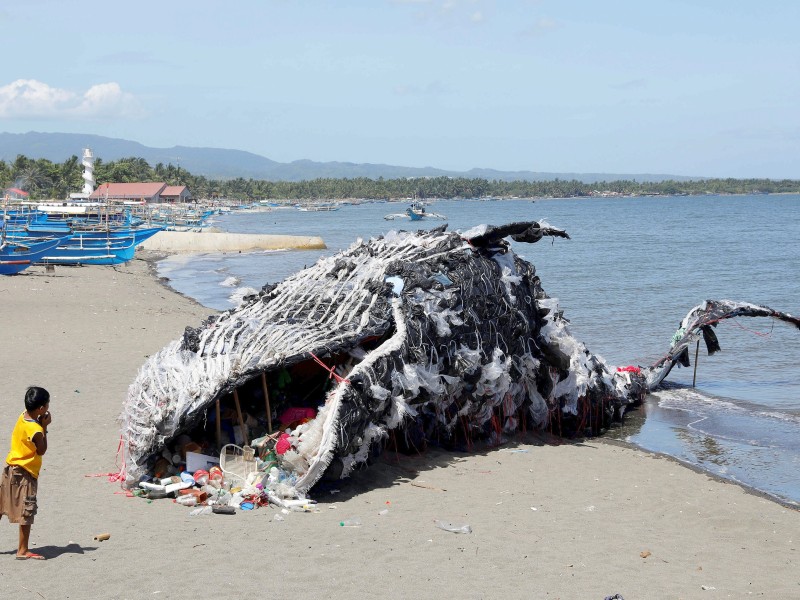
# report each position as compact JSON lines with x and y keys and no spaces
{"x":129,"y":192}
{"x":150,"y":192}
{"x":176,"y":194}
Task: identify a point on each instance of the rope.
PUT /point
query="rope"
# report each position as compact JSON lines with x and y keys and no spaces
{"x":330,"y":370}
{"x":764,"y":334}
{"x":118,"y":476}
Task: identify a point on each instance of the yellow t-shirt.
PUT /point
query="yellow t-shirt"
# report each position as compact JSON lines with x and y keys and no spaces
{"x":23,"y":450}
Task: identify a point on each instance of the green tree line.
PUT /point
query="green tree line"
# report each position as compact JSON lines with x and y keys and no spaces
{"x":44,"y":179}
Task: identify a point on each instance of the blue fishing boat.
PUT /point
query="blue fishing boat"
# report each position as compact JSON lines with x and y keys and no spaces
{"x":119,"y":233}
{"x":16,"y":256}
{"x":137,"y":235}
{"x":91,"y":251}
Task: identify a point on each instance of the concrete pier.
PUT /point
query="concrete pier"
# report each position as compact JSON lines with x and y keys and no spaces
{"x":188,"y":242}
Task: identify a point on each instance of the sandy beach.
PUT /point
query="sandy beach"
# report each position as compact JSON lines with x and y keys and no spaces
{"x":549,"y":518}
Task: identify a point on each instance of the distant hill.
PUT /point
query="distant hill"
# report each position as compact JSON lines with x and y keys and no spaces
{"x":220,"y":163}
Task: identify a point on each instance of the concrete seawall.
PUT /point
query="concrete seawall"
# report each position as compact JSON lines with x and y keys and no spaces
{"x":188,"y":242}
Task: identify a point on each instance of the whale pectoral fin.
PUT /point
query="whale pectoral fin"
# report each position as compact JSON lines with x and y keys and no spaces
{"x":710,"y":338}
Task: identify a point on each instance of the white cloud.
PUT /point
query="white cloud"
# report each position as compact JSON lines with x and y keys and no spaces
{"x":32,"y":99}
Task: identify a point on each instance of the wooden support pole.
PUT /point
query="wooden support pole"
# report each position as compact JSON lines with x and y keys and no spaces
{"x":219,"y":426}
{"x":239,"y":416}
{"x":696,"y":351}
{"x":266,"y":401}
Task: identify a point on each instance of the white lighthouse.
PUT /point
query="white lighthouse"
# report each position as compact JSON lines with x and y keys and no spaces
{"x":88,"y":176}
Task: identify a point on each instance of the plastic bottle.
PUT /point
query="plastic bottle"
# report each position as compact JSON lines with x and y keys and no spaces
{"x":201,"y":510}
{"x":188,"y":500}
{"x":152,"y":486}
{"x":351,"y":522}
{"x":174,"y":487}
{"x":236,"y":500}
{"x":453,"y":527}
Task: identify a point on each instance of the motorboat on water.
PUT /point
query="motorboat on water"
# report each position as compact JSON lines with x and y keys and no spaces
{"x":415,"y":212}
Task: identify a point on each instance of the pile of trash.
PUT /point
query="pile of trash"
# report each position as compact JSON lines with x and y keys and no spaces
{"x":241,"y":478}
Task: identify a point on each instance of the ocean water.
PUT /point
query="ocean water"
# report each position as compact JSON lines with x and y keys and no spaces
{"x":632,"y":270}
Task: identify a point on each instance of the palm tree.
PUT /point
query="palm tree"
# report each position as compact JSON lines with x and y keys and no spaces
{"x":32,"y":178}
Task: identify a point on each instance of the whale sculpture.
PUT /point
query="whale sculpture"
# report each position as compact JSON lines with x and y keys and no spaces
{"x":432,"y":335}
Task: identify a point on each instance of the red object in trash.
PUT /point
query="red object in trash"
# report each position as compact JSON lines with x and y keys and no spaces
{"x":215,"y":473}
{"x":283,"y":444}
{"x":291,"y":415}
{"x":629,"y":369}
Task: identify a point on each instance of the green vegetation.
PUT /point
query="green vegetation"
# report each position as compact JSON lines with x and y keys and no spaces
{"x":44,"y":179}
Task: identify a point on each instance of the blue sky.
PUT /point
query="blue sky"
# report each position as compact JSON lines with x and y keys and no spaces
{"x":699,"y":87}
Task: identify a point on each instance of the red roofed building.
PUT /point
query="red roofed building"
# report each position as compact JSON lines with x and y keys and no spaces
{"x":176,"y":193}
{"x":15,"y":194}
{"x":132,"y":192}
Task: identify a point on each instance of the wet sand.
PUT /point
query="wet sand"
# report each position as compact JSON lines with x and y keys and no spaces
{"x":549,"y":520}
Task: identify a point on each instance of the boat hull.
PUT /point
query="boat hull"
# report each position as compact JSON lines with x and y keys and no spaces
{"x":16,"y":257}
{"x":91,"y":253}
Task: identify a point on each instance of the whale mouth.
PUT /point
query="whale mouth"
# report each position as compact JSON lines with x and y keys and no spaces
{"x":288,"y":414}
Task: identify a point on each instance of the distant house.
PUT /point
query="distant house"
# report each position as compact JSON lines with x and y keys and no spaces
{"x":176,"y":194}
{"x":130,"y":192}
{"x":15,"y":194}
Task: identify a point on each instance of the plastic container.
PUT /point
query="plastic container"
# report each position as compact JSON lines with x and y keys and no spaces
{"x":187,"y":477}
{"x":169,"y":480}
{"x":453,"y":527}
{"x":215,"y":474}
{"x":351,"y":522}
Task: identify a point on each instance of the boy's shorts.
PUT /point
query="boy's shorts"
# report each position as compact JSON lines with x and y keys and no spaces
{"x":18,"y":495}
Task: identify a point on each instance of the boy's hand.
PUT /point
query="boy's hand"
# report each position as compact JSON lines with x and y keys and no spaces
{"x":46,"y":419}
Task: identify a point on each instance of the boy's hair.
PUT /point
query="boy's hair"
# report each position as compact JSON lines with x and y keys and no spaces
{"x":36,"y":397}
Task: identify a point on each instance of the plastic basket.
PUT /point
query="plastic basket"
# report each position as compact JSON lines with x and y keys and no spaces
{"x":237,"y":463}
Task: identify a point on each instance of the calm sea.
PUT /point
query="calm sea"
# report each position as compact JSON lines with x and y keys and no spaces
{"x":632,"y":270}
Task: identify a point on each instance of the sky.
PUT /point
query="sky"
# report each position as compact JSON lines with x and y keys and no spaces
{"x":700,"y":88}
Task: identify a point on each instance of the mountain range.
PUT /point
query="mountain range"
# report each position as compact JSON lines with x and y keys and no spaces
{"x":221,"y":163}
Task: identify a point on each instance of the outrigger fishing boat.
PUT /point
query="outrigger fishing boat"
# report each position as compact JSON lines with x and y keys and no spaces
{"x":16,"y":256}
{"x":92,"y":251}
{"x":415,"y":212}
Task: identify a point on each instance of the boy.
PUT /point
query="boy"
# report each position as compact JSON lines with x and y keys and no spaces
{"x":19,"y":481}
